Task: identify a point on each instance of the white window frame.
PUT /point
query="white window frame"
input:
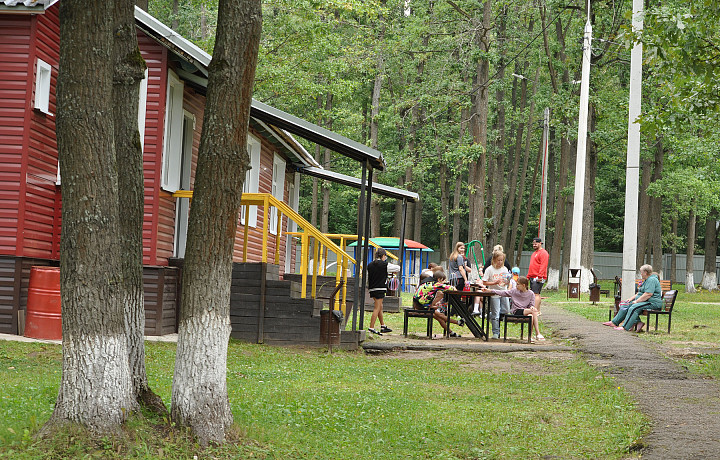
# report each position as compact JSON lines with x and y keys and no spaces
{"x":278,"y":189}
{"x":172,"y":139}
{"x":43,"y":79}
{"x":252,"y":179}
{"x":142,"y":109}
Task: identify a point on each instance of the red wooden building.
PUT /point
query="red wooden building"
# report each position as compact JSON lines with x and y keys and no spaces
{"x":172,"y":101}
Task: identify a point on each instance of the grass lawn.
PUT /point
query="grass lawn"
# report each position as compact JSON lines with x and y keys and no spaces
{"x":695,"y":323}
{"x":303,"y":403}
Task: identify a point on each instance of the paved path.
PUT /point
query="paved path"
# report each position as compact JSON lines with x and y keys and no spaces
{"x":684,"y":408}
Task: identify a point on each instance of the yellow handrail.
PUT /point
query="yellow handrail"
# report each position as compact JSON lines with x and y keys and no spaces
{"x":309,"y":231}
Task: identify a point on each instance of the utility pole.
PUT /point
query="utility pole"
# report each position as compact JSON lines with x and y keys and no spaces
{"x":576,"y":239}
{"x":632,"y":172}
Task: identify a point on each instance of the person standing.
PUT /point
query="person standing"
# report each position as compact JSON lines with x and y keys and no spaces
{"x":378,"y":271}
{"x":457,"y":267}
{"x":537,"y":272}
{"x":497,"y":276}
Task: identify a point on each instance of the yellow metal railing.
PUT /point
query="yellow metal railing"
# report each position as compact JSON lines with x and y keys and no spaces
{"x":323,"y":243}
{"x":344,"y":239}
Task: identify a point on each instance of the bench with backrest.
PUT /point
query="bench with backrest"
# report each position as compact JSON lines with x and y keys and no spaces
{"x":667,"y":309}
{"x":665,"y":286}
{"x":521,"y":319}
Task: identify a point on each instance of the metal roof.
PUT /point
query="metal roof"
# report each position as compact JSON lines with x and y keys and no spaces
{"x":380,"y":189}
{"x":270,"y":115}
{"x":317,"y":134}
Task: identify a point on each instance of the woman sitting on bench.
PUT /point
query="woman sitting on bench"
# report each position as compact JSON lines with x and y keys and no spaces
{"x":523,"y":300}
{"x":648,"y":297}
{"x":430,"y":295}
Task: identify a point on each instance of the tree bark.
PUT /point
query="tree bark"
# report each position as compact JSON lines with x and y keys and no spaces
{"x":656,"y":213}
{"x":710,"y":281}
{"x":673,"y":250}
{"x":129,"y":72}
{"x":555,"y":263}
{"x":690,"y":253}
{"x":478,"y":125}
{"x":457,"y":211}
{"x":374,"y":128}
{"x":587,"y":250}
{"x":199,"y":391}
{"x":95,"y":387}
{"x":536,"y":173}
{"x":325,"y":214}
{"x":315,"y":182}
{"x":644,"y":212}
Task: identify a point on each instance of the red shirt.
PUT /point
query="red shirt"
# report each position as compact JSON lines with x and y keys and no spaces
{"x":538,"y":264}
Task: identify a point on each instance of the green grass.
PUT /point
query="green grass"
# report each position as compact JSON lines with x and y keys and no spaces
{"x":302,"y":403}
{"x":695,"y":324}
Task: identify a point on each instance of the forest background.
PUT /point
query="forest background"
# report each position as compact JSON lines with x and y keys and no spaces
{"x":453,"y":94}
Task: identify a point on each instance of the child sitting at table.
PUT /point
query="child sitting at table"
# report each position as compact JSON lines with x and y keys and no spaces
{"x":430,"y":295}
{"x":523,"y":302}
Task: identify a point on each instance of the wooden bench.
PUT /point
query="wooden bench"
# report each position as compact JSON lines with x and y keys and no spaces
{"x":665,"y":287}
{"x":417,"y":313}
{"x":668,"y":304}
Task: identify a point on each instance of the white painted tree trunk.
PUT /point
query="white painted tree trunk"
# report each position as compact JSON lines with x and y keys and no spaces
{"x":710,"y":281}
{"x":199,"y":394}
{"x":95,"y":388}
{"x":690,"y":282}
{"x":553,"y":281}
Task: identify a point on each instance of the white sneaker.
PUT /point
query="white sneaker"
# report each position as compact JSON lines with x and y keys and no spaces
{"x":540,"y":337}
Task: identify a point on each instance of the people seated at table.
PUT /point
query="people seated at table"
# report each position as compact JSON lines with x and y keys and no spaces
{"x":648,"y":297}
{"x":496,"y":276}
{"x":523,"y":300}
{"x":430,"y":295}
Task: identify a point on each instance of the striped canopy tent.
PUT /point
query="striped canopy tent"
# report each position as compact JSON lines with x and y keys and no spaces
{"x":415,"y":255}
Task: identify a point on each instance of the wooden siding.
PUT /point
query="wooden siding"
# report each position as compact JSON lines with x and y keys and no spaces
{"x":161,"y":286}
{"x":41,"y":192}
{"x":155,"y":56}
{"x":15,"y":85}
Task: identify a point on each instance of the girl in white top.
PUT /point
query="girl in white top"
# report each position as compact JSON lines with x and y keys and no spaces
{"x":497,"y":277}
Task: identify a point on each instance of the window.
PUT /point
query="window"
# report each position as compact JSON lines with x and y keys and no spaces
{"x":278,"y":189}
{"x":252,"y":179}
{"x":172,"y":141}
{"x":42,"y":86}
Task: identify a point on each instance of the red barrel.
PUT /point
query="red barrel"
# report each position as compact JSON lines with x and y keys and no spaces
{"x":43,"y":319}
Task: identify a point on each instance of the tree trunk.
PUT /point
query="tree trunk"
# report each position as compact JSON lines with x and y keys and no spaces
{"x":569,"y":207}
{"x":199,"y":392}
{"x":656,"y":213}
{"x":397,"y":221}
{"x":325,"y":214}
{"x":555,"y":263}
{"x":514,"y":173}
{"x":478,"y":125}
{"x":176,"y":12}
{"x":444,"y":204}
{"x":521,"y":206}
{"x":690,"y":253}
{"x":129,"y":72}
{"x":587,"y":250}
{"x":457,"y":211}
{"x":536,"y":173}
{"x":315,"y":182}
{"x":95,"y":386}
{"x":142,"y":4}
{"x":374,"y":128}
{"x":203,"y":22}
{"x":710,"y":281}
{"x":643,"y":212}
{"x":551,"y":186}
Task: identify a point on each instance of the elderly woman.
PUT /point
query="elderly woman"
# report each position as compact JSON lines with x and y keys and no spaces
{"x":648,"y":297}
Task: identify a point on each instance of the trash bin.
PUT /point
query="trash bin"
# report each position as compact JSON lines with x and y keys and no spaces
{"x":330,"y":327}
{"x":43,"y":318}
{"x":594,"y":293}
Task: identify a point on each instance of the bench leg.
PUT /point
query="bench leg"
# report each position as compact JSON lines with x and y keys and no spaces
{"x":405,"y":325}
{"x":505,"y":332}
{"x":669,"y":319}
{"x":429,"y":327}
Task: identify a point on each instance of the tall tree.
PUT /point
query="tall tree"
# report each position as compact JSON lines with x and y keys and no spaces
{"x":95,"y":387}
{"x":199,"y":391}
{"x":709,"y":279}
{"x":129,"y":72}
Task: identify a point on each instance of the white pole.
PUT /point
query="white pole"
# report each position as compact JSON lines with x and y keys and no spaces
{"x":575,"y":242}
{"x":543,"y":178}
{"x":632,"y":173}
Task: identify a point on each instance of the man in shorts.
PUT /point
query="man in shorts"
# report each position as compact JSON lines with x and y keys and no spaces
{"x":537,"y":272}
